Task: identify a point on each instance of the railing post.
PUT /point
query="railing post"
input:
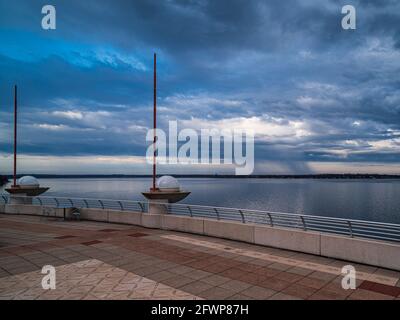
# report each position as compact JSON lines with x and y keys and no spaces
{"x":57,"y":203}
{"x":71,"y":202}
{"x":350,"y":228}
{"x":216,"y":211}
{"x":304,"y":223}
{"x":86,"y":203}
{"x":120,"y":204}
{"x":40,"y":201}
{"x":102,"y":204}
{"x":190,"y":211}
{"x":141,"y":207}
{"x":270,"y":219}
{"x":242,"y":215}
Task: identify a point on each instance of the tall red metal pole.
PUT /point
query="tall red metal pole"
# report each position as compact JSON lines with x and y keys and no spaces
{"x":155,"y":122}
{"x":15,"y":136}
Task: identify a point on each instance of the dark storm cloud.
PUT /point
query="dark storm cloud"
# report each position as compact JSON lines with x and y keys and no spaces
{"x":84,"y":84}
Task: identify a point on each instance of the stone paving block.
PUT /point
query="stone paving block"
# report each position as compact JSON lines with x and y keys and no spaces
{"x":178,"y":281}
{"x":235,"y":285}
{"x":282,"y":296}
{"x":196,"y":287}
{"x":299,"y":291}
{"x":275,"y":284}
{"x":258,"y":293}
{"x":217,"y":293}
{"x":312,"y":283}
{"x":361,"y":294}
{"x":215,"y":279}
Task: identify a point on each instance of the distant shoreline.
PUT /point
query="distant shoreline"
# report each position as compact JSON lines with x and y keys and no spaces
{"x":220,"y":176}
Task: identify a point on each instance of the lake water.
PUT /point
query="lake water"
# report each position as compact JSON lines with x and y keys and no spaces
{"x":373,"y":200}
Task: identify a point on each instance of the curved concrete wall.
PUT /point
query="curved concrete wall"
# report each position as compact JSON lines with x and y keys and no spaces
{"x":377,"y":253}
{"x":290,"y":239}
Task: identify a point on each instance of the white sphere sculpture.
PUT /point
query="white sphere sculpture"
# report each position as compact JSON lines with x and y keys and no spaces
{"x":168,"y":184}
{"x":28,"y":182}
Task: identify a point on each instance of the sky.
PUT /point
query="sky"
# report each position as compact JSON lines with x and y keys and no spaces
{"x":320,"y":99}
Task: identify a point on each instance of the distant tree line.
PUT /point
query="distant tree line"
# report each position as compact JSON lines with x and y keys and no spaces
{"x":259,"y":176}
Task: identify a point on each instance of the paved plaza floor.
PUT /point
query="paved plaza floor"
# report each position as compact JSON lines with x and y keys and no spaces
{"x":109,"y":261}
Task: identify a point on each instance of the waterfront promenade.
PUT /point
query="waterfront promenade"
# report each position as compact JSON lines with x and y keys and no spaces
{"x":97,"y":260}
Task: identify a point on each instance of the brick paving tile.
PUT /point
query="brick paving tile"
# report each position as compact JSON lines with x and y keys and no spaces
{"x":361,"y":294}
{"x":288,"y":276}
{"x":267,"y":272}
{"x":181,"y":270}
{"x":337,"y":288}
{"x":380,"y":288}
{"x":80,"y":289}
{"x":235,"y":285}
{"x":147,"y":271}
{"x":243,"y":259}
{"x":215,"y":280}
{"x":178,"y":281}
{"x":297,"y":290}
{"x":162,"y":275}
{"x":258,"y":293}
{"x":279,"y":266}
{"x":247,"y":267}
{"x":282,"y":296}
{"x":197,"y":274}
{"x":240,"y":296}
{"x":387,"y":273}
{"x":312,"y":283}
{"x":233,"y":273}
{"x":275,"y":284}
{"x":196,"y":287}
{"x":252,"y":278}
{"x":325,"y":294}
{"x":322,"y":276}
{"x":217,"y":293}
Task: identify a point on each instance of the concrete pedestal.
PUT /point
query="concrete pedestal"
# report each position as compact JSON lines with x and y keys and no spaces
{"x":20,"y":199}
{"x":158,"y":206}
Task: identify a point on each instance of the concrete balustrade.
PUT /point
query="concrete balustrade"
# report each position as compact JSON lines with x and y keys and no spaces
{"x":290,"y":239}
{"x":150,"y":220}
{"x":184,"y":224}
{"x":94,"y":214}
{"x":378,"y":253}
{"x":125,"y":217}
{"x":34,"y":210}
{"x":229,"y":229}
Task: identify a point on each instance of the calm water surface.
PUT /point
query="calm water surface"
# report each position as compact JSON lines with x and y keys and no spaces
{"x":374,"y":200}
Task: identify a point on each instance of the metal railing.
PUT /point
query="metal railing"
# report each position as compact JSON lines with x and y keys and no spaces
{"x":89,"y":203}
{"x":349,"y":227}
